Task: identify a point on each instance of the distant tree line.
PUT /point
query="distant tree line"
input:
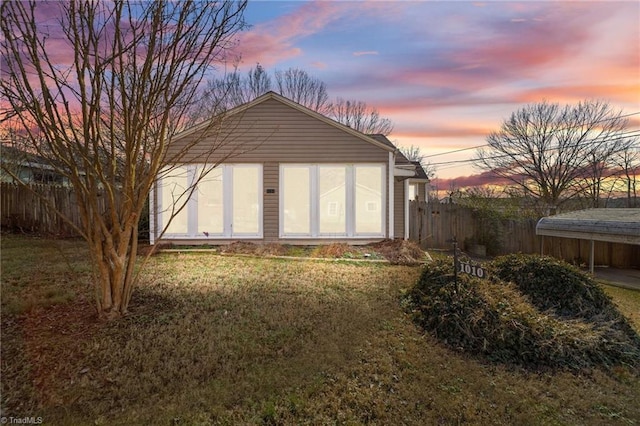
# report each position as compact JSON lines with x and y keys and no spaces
{"x":236,"y":88}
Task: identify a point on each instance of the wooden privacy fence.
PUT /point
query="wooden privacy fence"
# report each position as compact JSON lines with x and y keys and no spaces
{"x":23,"y":209}
{"x":434,"y":225}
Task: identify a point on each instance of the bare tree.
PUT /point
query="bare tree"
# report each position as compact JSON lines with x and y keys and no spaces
{"x":258,"y":82}
{"x":229,"y":91}
{"x":607,"y":139}
{"x":107,"y":101}
{"x":234,"y":89}
{"x":628,"y":163}
{"x":300,"y":87}
{"x":359,"y":116}
{"x":549,"y":150}
{"x":414,"y":153}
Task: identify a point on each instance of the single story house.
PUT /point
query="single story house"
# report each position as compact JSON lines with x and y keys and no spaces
{"x":280,"y":172}
{"x":26,"y":167}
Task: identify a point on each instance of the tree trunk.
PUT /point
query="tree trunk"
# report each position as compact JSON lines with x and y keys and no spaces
{"x":114,"y":279}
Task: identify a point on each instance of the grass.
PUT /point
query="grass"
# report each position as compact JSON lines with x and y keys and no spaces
{"x":396,"y":252}
{"x":237,"y":340}
{"x":628,"y":301}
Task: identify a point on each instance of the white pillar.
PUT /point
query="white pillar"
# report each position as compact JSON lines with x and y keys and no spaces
{"x":406,"y":209}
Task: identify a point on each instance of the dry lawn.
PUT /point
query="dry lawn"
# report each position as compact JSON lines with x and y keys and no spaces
{"x":236,"y":340}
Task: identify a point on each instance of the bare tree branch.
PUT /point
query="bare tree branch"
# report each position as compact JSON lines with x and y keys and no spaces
{"x":554,"y":153}
{"x":103,"y":109}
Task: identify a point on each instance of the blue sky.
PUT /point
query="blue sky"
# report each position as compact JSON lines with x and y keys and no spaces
{"x":447,"y":73}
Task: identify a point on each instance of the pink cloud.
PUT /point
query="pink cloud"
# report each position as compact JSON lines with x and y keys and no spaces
{"x":365,"y":52}
{"x":431,"y":131}
{"x":274,"y":41}
{"x":480,"y":179}
{"x":573,"y":93}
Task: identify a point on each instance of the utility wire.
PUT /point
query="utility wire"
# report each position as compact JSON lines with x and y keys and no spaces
{"x":625,"y":135}
{"x":552,"y":132}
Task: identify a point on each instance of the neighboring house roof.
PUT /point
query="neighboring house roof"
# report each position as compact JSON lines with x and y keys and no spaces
{"x":20,"y":160}
{"x":272,"y":95}
{"x":610,"y":225}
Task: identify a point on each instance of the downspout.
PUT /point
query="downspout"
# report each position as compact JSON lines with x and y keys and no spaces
{"x":392,"y":162}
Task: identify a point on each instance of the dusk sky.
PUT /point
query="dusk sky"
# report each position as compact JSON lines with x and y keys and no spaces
{"x":449,"y":72}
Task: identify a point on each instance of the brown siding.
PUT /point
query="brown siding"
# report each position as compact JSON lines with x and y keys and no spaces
{"x":271,"y":217}
{"x":275,"y":132}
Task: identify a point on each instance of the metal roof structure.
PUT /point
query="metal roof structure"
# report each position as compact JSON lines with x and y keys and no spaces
{"x":610,"y":225}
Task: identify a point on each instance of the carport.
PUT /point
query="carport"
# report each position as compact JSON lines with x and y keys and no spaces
{"x":608,"y":225}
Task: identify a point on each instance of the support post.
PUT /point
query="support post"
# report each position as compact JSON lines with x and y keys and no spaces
{"x":591,"y":256}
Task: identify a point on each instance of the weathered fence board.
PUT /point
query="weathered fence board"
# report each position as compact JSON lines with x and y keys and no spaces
{"x":434,"y":225}
{"x":27,"y":208}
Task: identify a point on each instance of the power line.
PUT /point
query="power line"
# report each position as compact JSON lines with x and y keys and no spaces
{"x":630,"y":134}
{"x":551,"y":132}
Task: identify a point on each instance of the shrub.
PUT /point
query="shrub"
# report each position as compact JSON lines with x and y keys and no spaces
{"x":553,"y":284}
{"x":494,"y":319}
{"x":400,"y":252}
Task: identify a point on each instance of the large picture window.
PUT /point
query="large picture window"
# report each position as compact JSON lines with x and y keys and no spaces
{"x":173,"y":193}
{"x":296,"y":200}
{"x":368,"y":199}
{"x":211,"y":203}
{"x":225,"y":203}
{"x":330,"y":201}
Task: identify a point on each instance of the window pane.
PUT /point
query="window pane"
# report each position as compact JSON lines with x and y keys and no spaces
{"x":332,"y":200}
{"x":210,"y":203}
{"x":412,"y":192}
{"x":173,"y":192}
{"x":246,"y":200}
{"x":296,"y":200}
{"x":368,"y":203}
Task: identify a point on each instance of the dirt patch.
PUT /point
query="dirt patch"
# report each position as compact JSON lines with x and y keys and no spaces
{"x":336,"y":250}
{"x":400,"y":252}
{"x":397,"y":252}
{"x":51,"y":338}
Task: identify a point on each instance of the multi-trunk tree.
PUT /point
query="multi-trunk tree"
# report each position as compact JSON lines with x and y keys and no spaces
{"x":99,"y":89}
{"x":554,"y":153}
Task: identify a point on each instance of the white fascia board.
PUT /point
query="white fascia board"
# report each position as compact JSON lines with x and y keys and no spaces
{"x":403,"y":172}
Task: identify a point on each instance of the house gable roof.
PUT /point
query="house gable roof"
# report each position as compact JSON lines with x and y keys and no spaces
{"x":386,"y":145}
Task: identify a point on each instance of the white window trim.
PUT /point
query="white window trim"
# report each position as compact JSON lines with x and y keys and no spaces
{"x":350,"y":231}
{"x":227,"y":190}
{"x":162,"y":208}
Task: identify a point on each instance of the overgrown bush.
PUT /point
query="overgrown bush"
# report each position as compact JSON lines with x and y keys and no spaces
{"x":554,"y":284}
{"x":400,"y":252}
{"x":494,"y":319}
